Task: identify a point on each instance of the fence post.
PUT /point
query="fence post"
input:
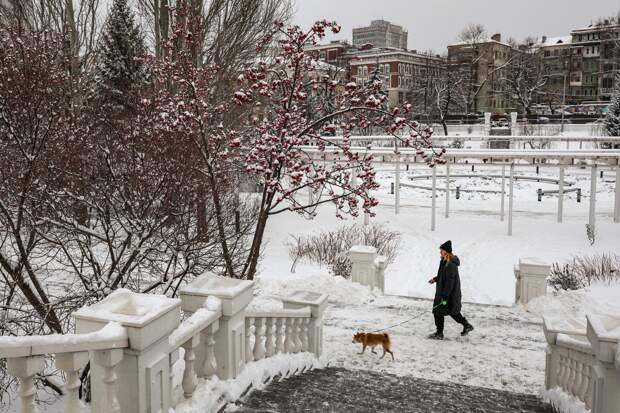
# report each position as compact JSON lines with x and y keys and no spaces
{"x":531,"y":277}
{"x":379,"y":265}
{"x":143,"y":368}
{"x":606,"y":372}
{"x":317,"y":303}
{"x":362,"y":258}
{"x":230,"y":338}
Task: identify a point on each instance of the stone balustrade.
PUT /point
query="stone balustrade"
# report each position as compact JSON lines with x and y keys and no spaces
{"x":531,"y":279}
{"x":585,"y":363}
{"x":368,"y":268}
{"x":133,"y":342}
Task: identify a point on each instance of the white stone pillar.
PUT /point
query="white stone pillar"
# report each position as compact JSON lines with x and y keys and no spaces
{"x":617,"y":196}
{"x":606,"y":372}
{"x":380,"y":264}
{"x":513,"y":123}
{"x":511,"y":197}
{"x":362,"y":258}
{"x":487,"y":122}
{"x":433,"y":198}
{"x":397,"y":187}
{"x":531,"y":277}
{"x":143,"y":369}
{"x":447,"y":190}
{"x":230,"y":337}
{"x":317,"y":303}
{"x":592,"y":219}
{"x":561,"y":194}
{"x":503,"y":200}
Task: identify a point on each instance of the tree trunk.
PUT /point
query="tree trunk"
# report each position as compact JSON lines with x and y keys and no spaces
{"x":261,"y":225}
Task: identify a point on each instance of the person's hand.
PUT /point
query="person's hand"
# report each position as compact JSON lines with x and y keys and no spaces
{"x":431,"y":281}
{"x":444,"y":302}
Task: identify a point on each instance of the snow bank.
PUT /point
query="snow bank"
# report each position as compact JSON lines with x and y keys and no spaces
{"x":339,"y":290}
{"x":563,"y":402}
{"x":570,"y":307}
{"x":211,"y":394}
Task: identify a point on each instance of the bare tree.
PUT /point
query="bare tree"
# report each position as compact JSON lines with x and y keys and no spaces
{"x":524,"y":77}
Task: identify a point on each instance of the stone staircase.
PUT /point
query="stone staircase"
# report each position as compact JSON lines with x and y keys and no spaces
{"x":340,"y":390}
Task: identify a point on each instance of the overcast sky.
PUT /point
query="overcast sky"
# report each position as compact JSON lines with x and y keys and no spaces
{"x":433,"y":24}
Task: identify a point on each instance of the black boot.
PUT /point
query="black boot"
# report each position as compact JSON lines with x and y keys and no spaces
{"x":436,"y":336}
{"x":467,"y":329}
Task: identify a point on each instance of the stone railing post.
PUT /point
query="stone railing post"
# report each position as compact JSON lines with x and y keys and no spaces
{"x":24,"y":368}
{"x":362,"y":259}
{"x":379,"y":265}
{"x":140,"y":372}
{"x":606,"y":372}
{"x":552,"y":358}
{"x":71,"y":364}
{"x":531,"y":279}
{"x":230,"y":338}
{"x":317,"y":303}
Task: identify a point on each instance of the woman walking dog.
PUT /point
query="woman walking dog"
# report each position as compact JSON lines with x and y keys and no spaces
{"x":448,"y":292}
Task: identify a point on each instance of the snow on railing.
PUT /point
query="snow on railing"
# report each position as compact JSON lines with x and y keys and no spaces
{"x":26,"y":358}
{"x":133,"y":342}
{"x":583,"y":365}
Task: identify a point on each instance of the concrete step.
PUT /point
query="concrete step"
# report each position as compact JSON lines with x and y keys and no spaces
{"x":339,"y":390}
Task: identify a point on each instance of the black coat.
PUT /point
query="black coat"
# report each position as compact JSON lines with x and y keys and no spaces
{"x":448,"y":287}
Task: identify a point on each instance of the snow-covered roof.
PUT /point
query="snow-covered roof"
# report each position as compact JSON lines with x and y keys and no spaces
{"x":554,"y":41}
{"x":481,"y":41}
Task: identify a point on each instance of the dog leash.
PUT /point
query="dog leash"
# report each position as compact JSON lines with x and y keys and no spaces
{"x":406,"y":321}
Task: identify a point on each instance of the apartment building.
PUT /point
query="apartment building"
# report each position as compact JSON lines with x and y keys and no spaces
{"x":399,"y":70}
{"x":381,"y":33}
{"x":555,"y":59}
{"x":595,"y":60}
{"x":482,"y":63}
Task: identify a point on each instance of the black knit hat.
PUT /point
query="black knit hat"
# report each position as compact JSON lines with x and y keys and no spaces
{"x":446,"y":246}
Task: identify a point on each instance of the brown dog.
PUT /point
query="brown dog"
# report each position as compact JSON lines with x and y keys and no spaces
{"x":372,"y":340}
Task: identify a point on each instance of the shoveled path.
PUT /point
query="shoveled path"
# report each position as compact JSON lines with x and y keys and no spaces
{"x":340,"y":390}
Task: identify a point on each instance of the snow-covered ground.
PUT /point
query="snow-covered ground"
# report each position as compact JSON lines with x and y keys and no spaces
{"x":480,"y":239}
{"x":505,"y":351}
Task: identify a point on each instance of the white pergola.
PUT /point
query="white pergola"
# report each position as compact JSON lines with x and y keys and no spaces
{"x":511,"y":158}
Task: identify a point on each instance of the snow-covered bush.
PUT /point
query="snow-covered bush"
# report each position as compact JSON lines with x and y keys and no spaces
{"x":584,"y":270}
{"x":330,"y":248}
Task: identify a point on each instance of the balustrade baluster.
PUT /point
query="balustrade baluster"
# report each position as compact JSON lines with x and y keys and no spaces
{"x":172,"y":359}
{"x":189,"y":374}
{"x":305,"y":334}
{"x":562,"y":371}
{"x":108,"y":359}
{"x":585,"y":380}
{"x":280,"y":334}
{"x":71,"y":363}
{"x":24,"y":368}
{"x":259,"y":335}
{"x":578,"y":378}
{"x":571,"y":376}
{"x":589,"y":391}
{"x":210,"y":365}
{"x":249,"y":354}
{"x":270,"y":346}
{"x":299,"y":331}
{"x":289,"y":340}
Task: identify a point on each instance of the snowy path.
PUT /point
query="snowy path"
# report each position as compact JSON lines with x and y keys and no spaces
{"x":339,"y":390}
{"x":506,"y":351}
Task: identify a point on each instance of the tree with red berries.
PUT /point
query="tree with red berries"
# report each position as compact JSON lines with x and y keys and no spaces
{"x":280,"y":143}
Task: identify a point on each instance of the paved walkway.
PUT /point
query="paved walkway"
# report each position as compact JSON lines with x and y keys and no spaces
{"x":339,"y":390}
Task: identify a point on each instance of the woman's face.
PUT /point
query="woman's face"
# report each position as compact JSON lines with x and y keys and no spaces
{"x":442,"y":253}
